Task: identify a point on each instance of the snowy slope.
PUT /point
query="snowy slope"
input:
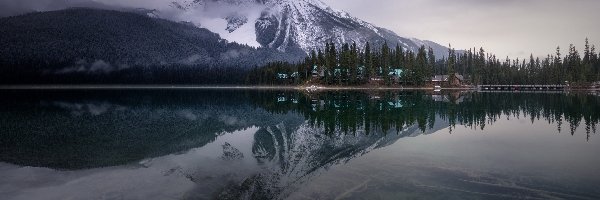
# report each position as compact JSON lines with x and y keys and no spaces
{"x":288,"y":25}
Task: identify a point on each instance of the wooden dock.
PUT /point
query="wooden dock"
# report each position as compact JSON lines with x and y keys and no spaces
{"x":522,"y":87}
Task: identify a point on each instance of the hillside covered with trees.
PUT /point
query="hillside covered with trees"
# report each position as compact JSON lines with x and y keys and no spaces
{"x":349,"y":65}
{"x":91,"y":45}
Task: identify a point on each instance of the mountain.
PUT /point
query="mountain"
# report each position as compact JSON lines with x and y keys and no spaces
{"x":289,"y":25}
{"x":190,"y":32}
{"x":93,"y":39}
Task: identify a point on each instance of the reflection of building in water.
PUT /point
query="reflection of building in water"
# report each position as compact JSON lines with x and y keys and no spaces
{"x":457,"y":98}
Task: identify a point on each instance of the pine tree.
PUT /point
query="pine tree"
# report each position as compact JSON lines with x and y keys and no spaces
{"x":586,"y":65}
{"x":430,"y":64}
{"x":353,"y":68}
{"x":369,"y":69}
{"x":385,"y":62}
{"x":451,"y":62}
{"x":400,"y":61}
{"x":531,"y":71}
{"x":574,"y":68}
{"x":313,"y":62}
{"x":595,"y":63}
{"x":344,"y":64}
{"x":421,"y":66}
{"x":328,"y":63}
{"x":538,"y":71}
{"x":559,"y":73}
{"x":320,"y":61}
{"x":480,"y":68}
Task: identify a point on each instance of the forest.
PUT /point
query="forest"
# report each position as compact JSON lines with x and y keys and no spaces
{"x":350,"y":65}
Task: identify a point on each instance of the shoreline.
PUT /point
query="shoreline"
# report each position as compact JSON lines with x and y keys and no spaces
{"x":226,"y":87}
{"x":232,"y":87}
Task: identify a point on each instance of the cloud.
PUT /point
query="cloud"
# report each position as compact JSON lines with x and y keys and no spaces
{"x":91,"y":108}
{"x":504,"y":27}
{"x":17,"y":7}
{"x":207,"y":14}
{"x":187,"y":114}
{"x":213,"y":16}
{"x":233,"y":54}
{"x":97,"y":67}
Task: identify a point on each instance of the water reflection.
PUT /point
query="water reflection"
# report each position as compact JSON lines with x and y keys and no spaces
{"x":242,"y":144}
{"x":378,"y":112}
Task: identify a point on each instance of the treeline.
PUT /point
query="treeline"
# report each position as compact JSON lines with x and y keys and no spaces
{"x":155,"y":74}
{"x":573,"y":68}
{"x":350,"y":65}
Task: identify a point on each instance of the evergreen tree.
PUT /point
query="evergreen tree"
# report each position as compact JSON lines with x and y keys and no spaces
{"x":451,"y":62}
{"x":344,"y":64}
{"x":586,"y":65}
{"x":575,"y":71}
{"x":422,"y":65}
{"x":385,"y":62}
{"x":430,"y":64}
{"x":353,"y":68}
{"x":320,"y":60}
{"x":370,"y":71}
{"x":595,"y":63}
{"x":481,"y":70}
{"x":559,"y":73}
{"x":328,"y":63}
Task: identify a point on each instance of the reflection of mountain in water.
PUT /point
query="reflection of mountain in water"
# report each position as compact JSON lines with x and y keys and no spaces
{"x":294,"y":157}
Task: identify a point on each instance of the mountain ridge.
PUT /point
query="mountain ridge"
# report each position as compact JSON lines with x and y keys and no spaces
{"x":305,"y":25}
{"x":291,"y":25}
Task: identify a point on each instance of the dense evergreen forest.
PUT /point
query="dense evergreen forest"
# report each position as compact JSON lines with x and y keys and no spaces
{"x":350,"y":65}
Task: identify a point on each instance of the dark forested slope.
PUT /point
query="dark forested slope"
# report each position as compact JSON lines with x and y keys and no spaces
{"x":71,"y":36}
{"x":82,"y":45}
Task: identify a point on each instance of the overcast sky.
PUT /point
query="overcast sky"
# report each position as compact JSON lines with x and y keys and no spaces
{"x":514,"y":28}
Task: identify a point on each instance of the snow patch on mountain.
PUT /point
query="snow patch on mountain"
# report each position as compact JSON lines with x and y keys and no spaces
{"x":233,"y":20}
{"x":285,"y":25}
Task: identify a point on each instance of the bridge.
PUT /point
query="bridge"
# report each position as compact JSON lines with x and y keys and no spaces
{"x":521,"y":87}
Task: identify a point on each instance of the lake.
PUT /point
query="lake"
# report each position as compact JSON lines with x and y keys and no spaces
{"x":291,"y":144}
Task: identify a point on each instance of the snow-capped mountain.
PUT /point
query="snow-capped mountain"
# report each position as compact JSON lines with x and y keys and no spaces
{"x":289,"y":25}
{"x":292,"y":26}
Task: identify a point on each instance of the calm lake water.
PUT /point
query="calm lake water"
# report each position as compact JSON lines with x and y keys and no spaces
{"x":251,"y":144}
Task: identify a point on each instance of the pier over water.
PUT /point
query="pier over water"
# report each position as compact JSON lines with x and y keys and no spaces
{"x":521,"y":87}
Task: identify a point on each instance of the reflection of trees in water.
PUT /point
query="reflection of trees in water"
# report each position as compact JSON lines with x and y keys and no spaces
{"x":345,"y":125}
{"x":129,"y":126}
{"x":77,"y":129}
{"x":378,"y":112}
